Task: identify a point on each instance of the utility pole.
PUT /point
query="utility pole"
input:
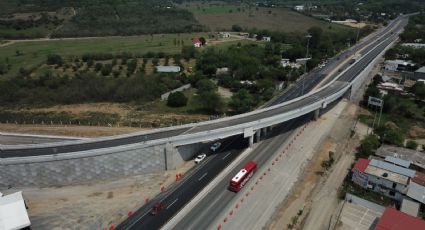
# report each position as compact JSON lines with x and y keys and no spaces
{"x":305,"y":65}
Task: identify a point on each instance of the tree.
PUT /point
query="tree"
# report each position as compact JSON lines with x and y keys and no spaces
{"x":419,"y":90}
{"x":98,"y":66}
{"x":54,"y":59}
{"x":177,"y":99}
{"x":391,"y":136}
{"x":411,"y":144}
{"x":236,"y":28}
{"x":106,"y":69}
{"x":188,"y":52}
{"x":202,"y":40}
{"x":205,"y":85}
{"x":242,"y":101}
{"x":210,"y":102}
{"x":369,"y":145}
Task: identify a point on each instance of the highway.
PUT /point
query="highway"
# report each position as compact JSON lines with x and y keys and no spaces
{"x":208,"y":208}
{"x":311,"y":81}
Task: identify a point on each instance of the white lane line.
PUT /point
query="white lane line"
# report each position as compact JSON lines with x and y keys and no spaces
{"x":226,"y":155}
{"x":202,"y":177}
{"x":172,"y":203}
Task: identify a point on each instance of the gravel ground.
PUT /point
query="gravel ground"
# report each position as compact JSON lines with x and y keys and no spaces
{"x":93,"y":206}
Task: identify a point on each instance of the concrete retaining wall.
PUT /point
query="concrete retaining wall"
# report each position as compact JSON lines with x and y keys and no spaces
{"x":55,"y":172}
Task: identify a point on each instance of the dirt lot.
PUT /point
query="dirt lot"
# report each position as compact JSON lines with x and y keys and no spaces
{"x":94,"y":206}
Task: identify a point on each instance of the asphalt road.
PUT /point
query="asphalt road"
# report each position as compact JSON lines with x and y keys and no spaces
{"x":213,"y":204}
{"x":192,"y":183}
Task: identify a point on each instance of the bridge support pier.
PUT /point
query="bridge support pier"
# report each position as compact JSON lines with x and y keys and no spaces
{"x":264,"y":131}
{"x":251,"y":140}
{"x":316,"y":114}
{"x":258,"y":136}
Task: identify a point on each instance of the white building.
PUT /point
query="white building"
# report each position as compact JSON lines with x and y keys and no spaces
{"x":224,"y":34}
{"x":398,"y":65}
{"x":286,"y":63}
{"x":168,"y":69}
{"x":414,"y":45}
{"x":267,"y":39}
{"x":299,"y":8}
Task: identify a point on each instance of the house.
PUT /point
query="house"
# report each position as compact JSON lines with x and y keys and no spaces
{"x":419,"y":74}
{"x":267,"y":39}
{"x":245,"y":35}
{"x":167,"y":69}
{"x":13,"y":212}
{"x":286,"y":63}
{"x":299,"y":8}
{"x":398,"y":65}
{"x":392,"y":219}
{"x":416,"y":189}
{"x":416,"y":158}
{"x":358,"y":174}
{"x":388,"y":179}
{"x":196,"y":42}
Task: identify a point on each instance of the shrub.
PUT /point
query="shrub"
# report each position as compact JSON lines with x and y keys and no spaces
{"x":54,"y":59}
{"x":411,"y":144}
{"x":106,"y":69}
{"x":177,"y":99}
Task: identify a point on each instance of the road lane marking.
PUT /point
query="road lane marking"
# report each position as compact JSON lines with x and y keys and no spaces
{"x":172,"y":203}
{"x":226,"y":155}
{"x":202,"y":177}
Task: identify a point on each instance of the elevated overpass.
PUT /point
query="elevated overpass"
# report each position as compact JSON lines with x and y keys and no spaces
{"x":75,"y":161}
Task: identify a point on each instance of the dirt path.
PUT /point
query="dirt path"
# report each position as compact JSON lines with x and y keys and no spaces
{"x":313,"y":192}
{"x":67,"y":130}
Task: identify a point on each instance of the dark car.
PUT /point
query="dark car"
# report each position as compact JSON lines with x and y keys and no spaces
{"x":156,"y":209}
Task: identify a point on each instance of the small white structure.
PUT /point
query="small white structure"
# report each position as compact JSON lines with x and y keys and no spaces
{"x":168,"y":69}
{"x":286,"y":63}
{"x":414,"y":45}
{"x":13,"y":213}
{"x":222,"y":71}
{"x":224,"y":34}
{"x":299,"y":8}
{"x":389,"y":86}
{"x":267,"y":39}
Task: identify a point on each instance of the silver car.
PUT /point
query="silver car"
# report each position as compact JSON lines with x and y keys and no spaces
{"x":215,"y":146}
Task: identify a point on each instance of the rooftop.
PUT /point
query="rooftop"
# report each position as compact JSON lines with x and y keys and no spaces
{"x":397,"y":161}
{"x":419,"y":178}
{"x":395,"y":220}
{"x":393,"y":168}
{"x":13,"y":213}
{"x":168,"y":69}
{"x":388,"y":175}
{"x":420,"y":70}
{"x":399,"y":62}
{"x":361,"y":165}
{"x":410,"y":207}
{"x":414,"y":157}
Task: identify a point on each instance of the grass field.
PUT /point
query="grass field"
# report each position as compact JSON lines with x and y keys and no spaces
{"x":221,"y":17}
{"x":33,"y":53}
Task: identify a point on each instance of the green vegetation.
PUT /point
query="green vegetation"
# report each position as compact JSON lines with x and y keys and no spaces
{"x":368,"y":146}
{"x":411,"y":144}
{"x":31,"y":18}
{"x":327,"y":164}
{"x":33,"y":54}
{"x":177,"y":99}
